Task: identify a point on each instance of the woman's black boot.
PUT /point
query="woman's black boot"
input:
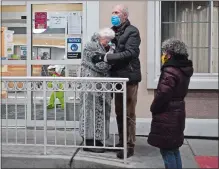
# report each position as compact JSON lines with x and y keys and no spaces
{"x":94,"y":150}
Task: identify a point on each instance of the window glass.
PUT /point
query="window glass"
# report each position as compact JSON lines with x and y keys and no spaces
{"x":49,"y":29}
{"x":14,"y":28}
{"x":190,"y":24}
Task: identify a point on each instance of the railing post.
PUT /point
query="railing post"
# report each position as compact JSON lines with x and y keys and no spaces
{"x":45,"y":114}
{"x":125,"y":121}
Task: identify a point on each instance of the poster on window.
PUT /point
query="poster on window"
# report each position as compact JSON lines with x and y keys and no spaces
{"x":9,"y":36}
{"x":23,"y":50}
{"x":40,"y":20}
{"x":74,"y":23}
{"x":10,"y":52}
{"x":74,"y":48}
{"x":57,"y":20}
{"x":10,"y":48}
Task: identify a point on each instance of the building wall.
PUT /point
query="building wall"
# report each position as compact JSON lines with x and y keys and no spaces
{"x":138,"y":18}
{"x":200,"y":103}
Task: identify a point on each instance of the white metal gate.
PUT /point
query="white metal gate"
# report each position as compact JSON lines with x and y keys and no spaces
{"x":95,"y":94}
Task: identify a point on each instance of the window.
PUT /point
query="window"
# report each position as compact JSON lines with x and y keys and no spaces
{"x":25,"y":47}
{"x":195,"y":23}
{"x":14,"y":28}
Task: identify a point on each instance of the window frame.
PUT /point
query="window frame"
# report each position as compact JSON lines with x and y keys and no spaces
{"x":198,"y":80}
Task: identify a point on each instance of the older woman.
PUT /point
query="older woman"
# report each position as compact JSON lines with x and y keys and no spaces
{"x":168,"y":106}
{"x":94,"y":128}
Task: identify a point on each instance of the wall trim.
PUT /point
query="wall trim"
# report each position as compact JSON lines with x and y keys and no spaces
{"x":194,"y":127}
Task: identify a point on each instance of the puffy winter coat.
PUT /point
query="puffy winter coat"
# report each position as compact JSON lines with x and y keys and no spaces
{"x":168,"y":106}
{"x":125,"y":62}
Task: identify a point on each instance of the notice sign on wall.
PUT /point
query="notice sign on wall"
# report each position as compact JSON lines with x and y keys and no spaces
{"x":74,"y":48}
{"x":40,"y":20}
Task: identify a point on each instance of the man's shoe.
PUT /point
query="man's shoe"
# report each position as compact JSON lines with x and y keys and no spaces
{"x":130,"y":152}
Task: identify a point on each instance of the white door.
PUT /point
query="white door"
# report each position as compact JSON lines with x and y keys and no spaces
{"x":46,"y":40}
{"x":13,"y":107}
{"x":53,"y":28}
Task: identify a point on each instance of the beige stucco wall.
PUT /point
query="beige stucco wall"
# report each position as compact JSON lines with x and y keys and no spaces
{"x":200,"y":103}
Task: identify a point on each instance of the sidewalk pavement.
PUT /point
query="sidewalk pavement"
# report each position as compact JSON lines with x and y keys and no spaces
{"x":195,"y":153}
{"x":205,"y":152}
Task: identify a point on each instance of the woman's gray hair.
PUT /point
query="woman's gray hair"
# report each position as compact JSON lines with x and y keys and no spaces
{"x":175,"y":47}
{"x":106,"y":33}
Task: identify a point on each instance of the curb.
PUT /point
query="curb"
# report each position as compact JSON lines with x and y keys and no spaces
{"x":57,"y":161}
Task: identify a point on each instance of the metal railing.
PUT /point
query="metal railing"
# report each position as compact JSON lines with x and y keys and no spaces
{"x":27,"y":106}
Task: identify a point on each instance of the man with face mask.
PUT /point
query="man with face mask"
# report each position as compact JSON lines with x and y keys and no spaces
{"x":125,"y":64}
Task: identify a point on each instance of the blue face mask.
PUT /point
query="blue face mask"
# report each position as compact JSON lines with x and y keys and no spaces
{"x":115,"y":20}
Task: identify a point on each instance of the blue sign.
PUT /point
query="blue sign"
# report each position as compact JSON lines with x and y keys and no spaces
{"x":74,"y":47}
{"x":4,"y":58}
{"x":74,"y":40}
{"x":23,"y":50}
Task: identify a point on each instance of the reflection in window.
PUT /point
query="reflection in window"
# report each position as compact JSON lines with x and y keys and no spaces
{"x":189,"y":21}
{"x":15,"y":23}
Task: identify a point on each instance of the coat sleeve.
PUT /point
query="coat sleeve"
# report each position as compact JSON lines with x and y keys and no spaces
{"x":165,"y":89}
{"x":88,"y":55}
{"x":131,"y":49}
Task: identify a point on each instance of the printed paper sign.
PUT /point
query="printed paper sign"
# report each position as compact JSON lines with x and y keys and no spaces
{"x":9,"y":36}
{"x":57,"y":21}
{"x":10,"y":48}
{"x":74,"y":23}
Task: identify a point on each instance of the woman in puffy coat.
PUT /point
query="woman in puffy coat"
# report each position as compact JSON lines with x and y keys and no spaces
{"x":168,"y":106}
